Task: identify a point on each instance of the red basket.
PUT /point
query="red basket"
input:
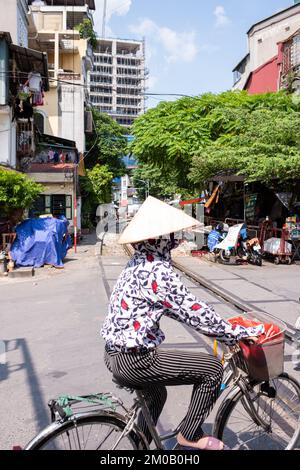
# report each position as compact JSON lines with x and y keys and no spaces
{"x":264,"y":360}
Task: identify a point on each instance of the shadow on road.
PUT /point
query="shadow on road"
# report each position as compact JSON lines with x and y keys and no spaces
{"x":41,"y":414}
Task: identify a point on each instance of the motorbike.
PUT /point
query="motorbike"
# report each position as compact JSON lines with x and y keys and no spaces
{"x":218,"y":234}
{"x":237,"y":247}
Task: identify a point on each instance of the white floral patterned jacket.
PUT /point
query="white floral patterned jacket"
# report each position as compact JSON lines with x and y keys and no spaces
{"x":149,"y":288}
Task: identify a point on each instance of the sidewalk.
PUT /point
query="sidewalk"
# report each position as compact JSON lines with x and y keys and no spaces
{"x":86,"y":250}
{"x":274,"y":289}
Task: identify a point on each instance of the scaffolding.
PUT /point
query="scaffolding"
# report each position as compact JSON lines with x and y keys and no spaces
{"x":117,"y":82}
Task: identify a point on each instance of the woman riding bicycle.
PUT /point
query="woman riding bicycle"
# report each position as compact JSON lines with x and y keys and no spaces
{"x":147,"y":289}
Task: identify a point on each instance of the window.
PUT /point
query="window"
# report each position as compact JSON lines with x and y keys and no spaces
{"x":38,"y":208}
{"x":56,"y":204}
{"x":69,"y":207}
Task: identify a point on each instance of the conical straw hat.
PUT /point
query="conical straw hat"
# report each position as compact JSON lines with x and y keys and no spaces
{"x":154,"y":219}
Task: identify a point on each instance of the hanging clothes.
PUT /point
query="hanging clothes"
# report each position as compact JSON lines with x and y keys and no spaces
{"x":35,"y":82}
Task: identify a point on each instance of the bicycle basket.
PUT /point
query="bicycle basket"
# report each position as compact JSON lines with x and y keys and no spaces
{"x":264,"y":360}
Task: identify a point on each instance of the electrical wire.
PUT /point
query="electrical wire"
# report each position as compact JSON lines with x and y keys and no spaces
{"x":87,"y":87}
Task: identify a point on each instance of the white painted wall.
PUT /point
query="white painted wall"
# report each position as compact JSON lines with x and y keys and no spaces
{"x":7,"y":138}
{"x":13,"y":19}
{"x":72,"y":115}
{"x":263,"y":43}
{"x":263,"y":40}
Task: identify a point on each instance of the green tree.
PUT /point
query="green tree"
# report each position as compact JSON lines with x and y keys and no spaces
{"x":107,"y":145}
{"x":86,"y":31}
{"x":265,"y":147}
{"x":162,"y":185}
{"x":96,"y":189}
{"x":17,"y":192}
{"x":199,"y":137}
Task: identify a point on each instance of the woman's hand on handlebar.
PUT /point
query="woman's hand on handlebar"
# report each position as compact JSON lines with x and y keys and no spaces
{"x":251,"y":340}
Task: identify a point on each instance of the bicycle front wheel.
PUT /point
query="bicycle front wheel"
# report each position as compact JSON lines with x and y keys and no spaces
{"x":88,"y":431}
{"x":278,"y":405}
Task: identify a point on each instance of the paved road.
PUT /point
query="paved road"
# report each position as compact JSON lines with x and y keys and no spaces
{"x":274,"y":289}
{"x":50,"y":326}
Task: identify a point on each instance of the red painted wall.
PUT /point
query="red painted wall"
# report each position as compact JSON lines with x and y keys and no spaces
{"x":265,"y":78}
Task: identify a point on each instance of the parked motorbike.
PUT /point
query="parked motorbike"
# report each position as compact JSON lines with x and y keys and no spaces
{"x":216,"y":236}
{"x":236,"y":247}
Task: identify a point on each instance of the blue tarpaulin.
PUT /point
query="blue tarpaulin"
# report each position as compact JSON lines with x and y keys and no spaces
{"x":213,"y":239}
{"x":40,"y":242}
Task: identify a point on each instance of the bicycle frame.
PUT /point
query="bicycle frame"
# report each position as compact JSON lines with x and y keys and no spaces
{"x":232,"y":377}
{"x":239,"y":382}
{"x":140,"y":404}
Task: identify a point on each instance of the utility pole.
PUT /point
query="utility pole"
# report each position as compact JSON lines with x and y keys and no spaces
{"x":104,"y":18}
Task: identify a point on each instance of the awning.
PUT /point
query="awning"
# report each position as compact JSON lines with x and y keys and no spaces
{"x":47,"y":140}
{"x":223,"y":178}
{"x":29,"y":60}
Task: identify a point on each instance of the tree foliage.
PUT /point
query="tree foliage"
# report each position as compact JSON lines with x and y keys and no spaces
{"x":107,"y":145}
{"x":17,"y":192}
{"x":86,"y":31}
{"x":162,"y":185}
{"x":254,"y":135}
{"x":96,"y":189}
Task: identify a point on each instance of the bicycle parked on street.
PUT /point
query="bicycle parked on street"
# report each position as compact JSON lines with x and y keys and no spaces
{"x":260,"y":411}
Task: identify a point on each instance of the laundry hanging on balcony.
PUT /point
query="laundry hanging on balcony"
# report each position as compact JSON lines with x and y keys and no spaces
{"x":34,"y":82}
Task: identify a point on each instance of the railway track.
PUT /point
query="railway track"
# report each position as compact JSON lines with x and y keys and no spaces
{"x":292,"y":335}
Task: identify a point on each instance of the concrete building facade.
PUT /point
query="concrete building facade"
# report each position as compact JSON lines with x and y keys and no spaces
{"x":117,"y":81}
{"x":53,"y":29}
{"x":260,"y":70}
{"x":70,"y":59}
{"x":14,"y":18}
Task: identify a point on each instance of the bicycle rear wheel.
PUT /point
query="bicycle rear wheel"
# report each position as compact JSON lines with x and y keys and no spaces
{"x":278,"y":405}
{"x":87,"y":431}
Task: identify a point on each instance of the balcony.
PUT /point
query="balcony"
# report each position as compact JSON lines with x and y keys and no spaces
{"x":67,"y":76}
{"x":25,"y":143}
{"x":290,"y":61}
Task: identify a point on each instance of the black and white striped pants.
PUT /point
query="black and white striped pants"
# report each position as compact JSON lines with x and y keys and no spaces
{"x":152,"y":370}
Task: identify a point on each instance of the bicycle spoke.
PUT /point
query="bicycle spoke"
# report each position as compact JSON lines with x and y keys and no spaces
{"x":105,"y":439}
{"x":279,"y":416}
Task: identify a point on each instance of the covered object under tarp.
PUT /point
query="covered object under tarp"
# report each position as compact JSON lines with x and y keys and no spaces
{"x":41,"y":241}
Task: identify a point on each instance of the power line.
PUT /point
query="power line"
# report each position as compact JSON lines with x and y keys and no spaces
{"x":65,"y":82}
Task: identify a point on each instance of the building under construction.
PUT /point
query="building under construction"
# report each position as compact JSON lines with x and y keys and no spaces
{"x":117,"y":81}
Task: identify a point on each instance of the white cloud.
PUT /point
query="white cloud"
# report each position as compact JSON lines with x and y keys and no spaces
{"x":177,"y":46}
{"x":114,"y":7}
{"x":221,"y":17}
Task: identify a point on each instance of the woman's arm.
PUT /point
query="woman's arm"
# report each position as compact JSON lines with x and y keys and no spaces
{"x":180,"y":304}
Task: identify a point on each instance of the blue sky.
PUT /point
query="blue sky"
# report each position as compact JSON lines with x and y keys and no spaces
{"x":191,"y":45}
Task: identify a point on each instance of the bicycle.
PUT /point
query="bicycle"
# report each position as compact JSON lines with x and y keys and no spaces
{"x":271,"y":409}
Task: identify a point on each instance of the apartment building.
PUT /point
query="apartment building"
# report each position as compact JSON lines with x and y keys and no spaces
{"x":117,"y":81}
{"x":61,"y":120}
{"x":17,"y":104}
{"x":70,"y":59}
{"x":272,"y":51}
{"x":14,"y":19}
